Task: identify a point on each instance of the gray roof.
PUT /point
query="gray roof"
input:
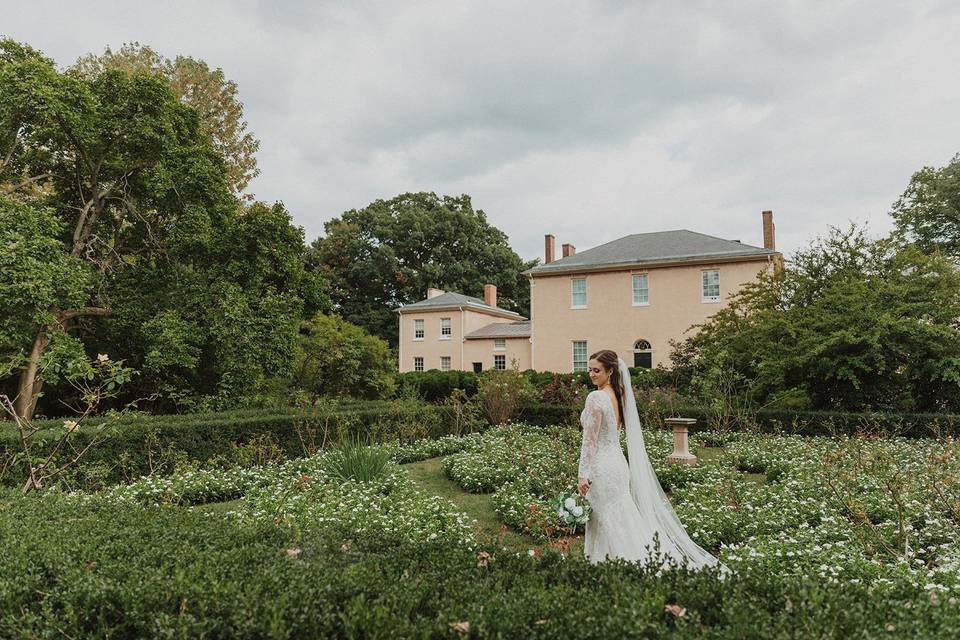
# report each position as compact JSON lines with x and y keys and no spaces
{"x":453,"y":300}
{"x":501,"y":330}
{"x":661,"y":246}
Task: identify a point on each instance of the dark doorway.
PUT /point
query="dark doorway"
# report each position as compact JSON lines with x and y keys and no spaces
{"x":642,"y":354}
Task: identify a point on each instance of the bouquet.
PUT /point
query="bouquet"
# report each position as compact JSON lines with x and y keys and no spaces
{"x":572,"y":509}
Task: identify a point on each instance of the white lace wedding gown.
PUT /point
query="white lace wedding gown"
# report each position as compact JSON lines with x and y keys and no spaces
{"x":622,"y":525}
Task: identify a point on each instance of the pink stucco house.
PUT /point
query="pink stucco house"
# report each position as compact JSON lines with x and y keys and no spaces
{"x":632,"y":295}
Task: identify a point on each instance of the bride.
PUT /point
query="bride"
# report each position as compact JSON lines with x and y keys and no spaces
{"x":630,"y":509}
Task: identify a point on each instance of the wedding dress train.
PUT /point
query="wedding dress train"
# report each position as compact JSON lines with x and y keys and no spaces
{"x":629,"y":507}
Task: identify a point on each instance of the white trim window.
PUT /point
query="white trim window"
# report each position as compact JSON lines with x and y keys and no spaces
{"x":444,"y":363}
{"x":579,"y":355}
{"x":578,"y":293}
{"x":641,"y":290}
{"x":446,"y":329}
{"x":500,"y":344}
{"x":711,"y":286}
{"x":418,"y":363}
{"x":418,"y":330}
{"x":500,"y":361}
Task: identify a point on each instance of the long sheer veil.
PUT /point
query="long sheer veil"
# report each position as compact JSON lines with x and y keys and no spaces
{"x":649,"y":496}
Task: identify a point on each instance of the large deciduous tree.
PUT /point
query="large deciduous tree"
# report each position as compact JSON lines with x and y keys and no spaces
{"x":120,"y":235}
{"x":215,"y":98}
{"x":391,"y":251}
{"x":118,"y":159}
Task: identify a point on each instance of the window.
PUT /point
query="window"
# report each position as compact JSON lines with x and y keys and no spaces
{"x":418,"y":363}
{"x":500,"y":361}
{"x":499,"y":344}
{"x":711,"y":286}
{"x":641,"y":289}
{"x":444,"y":363}
{"x":418,"y":330}
{"x":578,"y":293}
{"x":445,"y":329}
{"x":579,"y":355}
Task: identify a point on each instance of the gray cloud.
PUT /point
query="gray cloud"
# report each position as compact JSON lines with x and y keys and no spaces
{"x":588,"y":120}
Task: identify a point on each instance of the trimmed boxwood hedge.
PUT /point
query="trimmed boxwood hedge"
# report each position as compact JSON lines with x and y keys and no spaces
{"x":825,"y":423}
{"x":132,"y":444}
{"x":138,"y":440}
{"x":96,"y":570}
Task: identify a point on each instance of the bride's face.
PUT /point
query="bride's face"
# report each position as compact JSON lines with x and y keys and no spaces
{"x":598,"y":375}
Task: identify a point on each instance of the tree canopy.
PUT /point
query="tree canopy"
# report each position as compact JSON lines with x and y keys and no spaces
{"x":136,"y":246}
{"x":849,"y":324}
{"x":214,"y":97}
{"x":391,"y":251}
{"x":928,"y":212}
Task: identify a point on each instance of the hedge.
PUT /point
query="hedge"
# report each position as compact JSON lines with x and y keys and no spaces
{"x":139,"y":445}
{"x":827,"y":423}
{"x":136,"y":445}
{"x":435,"y":385}
{"x":75,"y":570}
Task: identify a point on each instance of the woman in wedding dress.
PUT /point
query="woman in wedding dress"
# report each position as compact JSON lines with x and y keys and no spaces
{"x":629,"y":507}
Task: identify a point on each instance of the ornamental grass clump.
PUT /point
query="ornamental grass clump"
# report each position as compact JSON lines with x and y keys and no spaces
{"x":358,"y":462}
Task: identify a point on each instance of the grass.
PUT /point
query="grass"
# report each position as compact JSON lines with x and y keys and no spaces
{"x":428,"y":475}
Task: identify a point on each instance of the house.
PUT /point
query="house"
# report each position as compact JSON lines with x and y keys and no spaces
{"x":632,"y":295}
{"x":452,"y":331}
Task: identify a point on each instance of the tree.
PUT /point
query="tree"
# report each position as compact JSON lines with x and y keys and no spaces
{"x":119,"y":160}
{"x":341,"y":359}
{"x":390,"y":252}
{"x":928,"y":212}
{"x":218,"y":320}
{"x":850,"y":324}
{"x":215,"y":98}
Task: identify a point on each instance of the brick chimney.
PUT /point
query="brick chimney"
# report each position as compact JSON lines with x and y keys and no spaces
{"x":569,"y":250}
{"x":548,"y":243}
{"x":769,"y":231}
{"x":433,"y":293}
{"x":490,"y":294}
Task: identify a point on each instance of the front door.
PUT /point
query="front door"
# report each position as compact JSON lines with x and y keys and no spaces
{"x":643,"y":359}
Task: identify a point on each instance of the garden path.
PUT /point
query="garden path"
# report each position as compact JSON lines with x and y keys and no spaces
{"x":429,"y":476}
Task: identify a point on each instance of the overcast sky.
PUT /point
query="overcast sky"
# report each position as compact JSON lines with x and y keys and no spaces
{"x":588,"y":120}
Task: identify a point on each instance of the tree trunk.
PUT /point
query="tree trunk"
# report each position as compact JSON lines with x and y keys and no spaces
{"x":30,"y":383}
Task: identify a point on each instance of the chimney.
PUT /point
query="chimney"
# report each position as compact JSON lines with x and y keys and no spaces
{"x":569,"y":250}
{"x":490,"y":294}
{"x":548,"y":242}
{"x":769,"y":231}
{"x":433,"y":293}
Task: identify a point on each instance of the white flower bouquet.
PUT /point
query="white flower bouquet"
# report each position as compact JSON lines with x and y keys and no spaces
{"x":573,"y":509}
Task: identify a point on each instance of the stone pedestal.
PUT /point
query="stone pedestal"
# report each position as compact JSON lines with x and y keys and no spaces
{"x":681,"y":449}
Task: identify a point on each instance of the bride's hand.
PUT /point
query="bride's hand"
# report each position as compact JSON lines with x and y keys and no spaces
{"x":583,"y":485}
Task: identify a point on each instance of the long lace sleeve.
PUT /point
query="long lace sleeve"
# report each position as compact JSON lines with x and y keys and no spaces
{"x":590,"y":419}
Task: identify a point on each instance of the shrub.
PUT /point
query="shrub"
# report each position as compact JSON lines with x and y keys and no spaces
{"x":501,"y":392}
{"x":341,"y":359}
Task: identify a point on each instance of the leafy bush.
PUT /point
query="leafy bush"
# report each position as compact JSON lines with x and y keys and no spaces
{"x":337,"y":358}
{"x":500,"y":394}
{"x":435,"y":385}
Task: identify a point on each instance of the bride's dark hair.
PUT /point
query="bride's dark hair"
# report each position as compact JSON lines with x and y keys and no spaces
{"x":611,"y":363}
